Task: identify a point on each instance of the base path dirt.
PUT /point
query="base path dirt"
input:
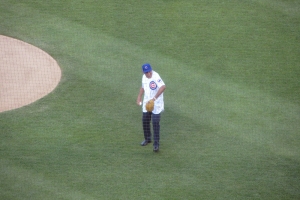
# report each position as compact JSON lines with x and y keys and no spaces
{"x":26,"y":73}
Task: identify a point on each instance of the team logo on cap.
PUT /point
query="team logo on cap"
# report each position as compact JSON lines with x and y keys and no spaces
{"x":152,"y":85}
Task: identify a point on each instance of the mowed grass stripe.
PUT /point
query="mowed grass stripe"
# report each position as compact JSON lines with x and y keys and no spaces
{"x":28,"y":184}
{"x":237,"y":110}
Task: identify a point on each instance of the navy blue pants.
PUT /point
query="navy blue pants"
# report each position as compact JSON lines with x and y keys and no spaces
{"x":147,"y":116}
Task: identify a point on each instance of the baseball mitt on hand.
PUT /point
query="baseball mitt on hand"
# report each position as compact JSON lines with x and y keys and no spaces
{"x":150,"y":105}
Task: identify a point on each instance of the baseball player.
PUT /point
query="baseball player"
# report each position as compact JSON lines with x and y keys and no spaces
{"x":152,"y":89}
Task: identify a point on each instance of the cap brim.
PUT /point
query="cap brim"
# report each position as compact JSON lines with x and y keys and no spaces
{"x":145,"y":71}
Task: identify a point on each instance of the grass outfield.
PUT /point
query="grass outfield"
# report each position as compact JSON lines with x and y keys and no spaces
{"x":230,"y":129}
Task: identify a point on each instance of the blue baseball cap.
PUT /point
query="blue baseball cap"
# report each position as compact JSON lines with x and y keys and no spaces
{"x":146,"y":68}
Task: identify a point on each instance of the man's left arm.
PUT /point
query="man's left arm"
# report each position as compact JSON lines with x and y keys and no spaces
{"x":159,"y":92}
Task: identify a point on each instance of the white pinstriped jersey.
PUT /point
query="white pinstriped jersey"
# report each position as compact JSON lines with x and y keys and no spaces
{"x":151,"y":86}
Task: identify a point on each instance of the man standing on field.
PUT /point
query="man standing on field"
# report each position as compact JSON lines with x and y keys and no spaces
{"x":152,"y":89}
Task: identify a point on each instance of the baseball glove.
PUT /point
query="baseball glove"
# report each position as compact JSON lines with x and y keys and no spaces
{"x":150,"y":106}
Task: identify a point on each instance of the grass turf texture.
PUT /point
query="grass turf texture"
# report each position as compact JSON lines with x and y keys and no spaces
{"x":231,"y":124}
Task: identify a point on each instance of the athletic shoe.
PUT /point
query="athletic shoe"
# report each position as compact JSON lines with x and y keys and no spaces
{"x":155,"y":148}
{"x":145,"y":142}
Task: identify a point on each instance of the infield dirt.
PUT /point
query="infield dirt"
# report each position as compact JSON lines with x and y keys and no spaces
{"x":27,"y":73}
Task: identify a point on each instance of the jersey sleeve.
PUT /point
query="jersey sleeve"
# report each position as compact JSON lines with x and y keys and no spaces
{"x":159,"y":81}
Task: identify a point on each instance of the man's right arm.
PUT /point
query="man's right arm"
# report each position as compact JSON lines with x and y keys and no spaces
{"x":139,"y":98}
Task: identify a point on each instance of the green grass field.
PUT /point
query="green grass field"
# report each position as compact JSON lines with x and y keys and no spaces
{"x":230,"y":129}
